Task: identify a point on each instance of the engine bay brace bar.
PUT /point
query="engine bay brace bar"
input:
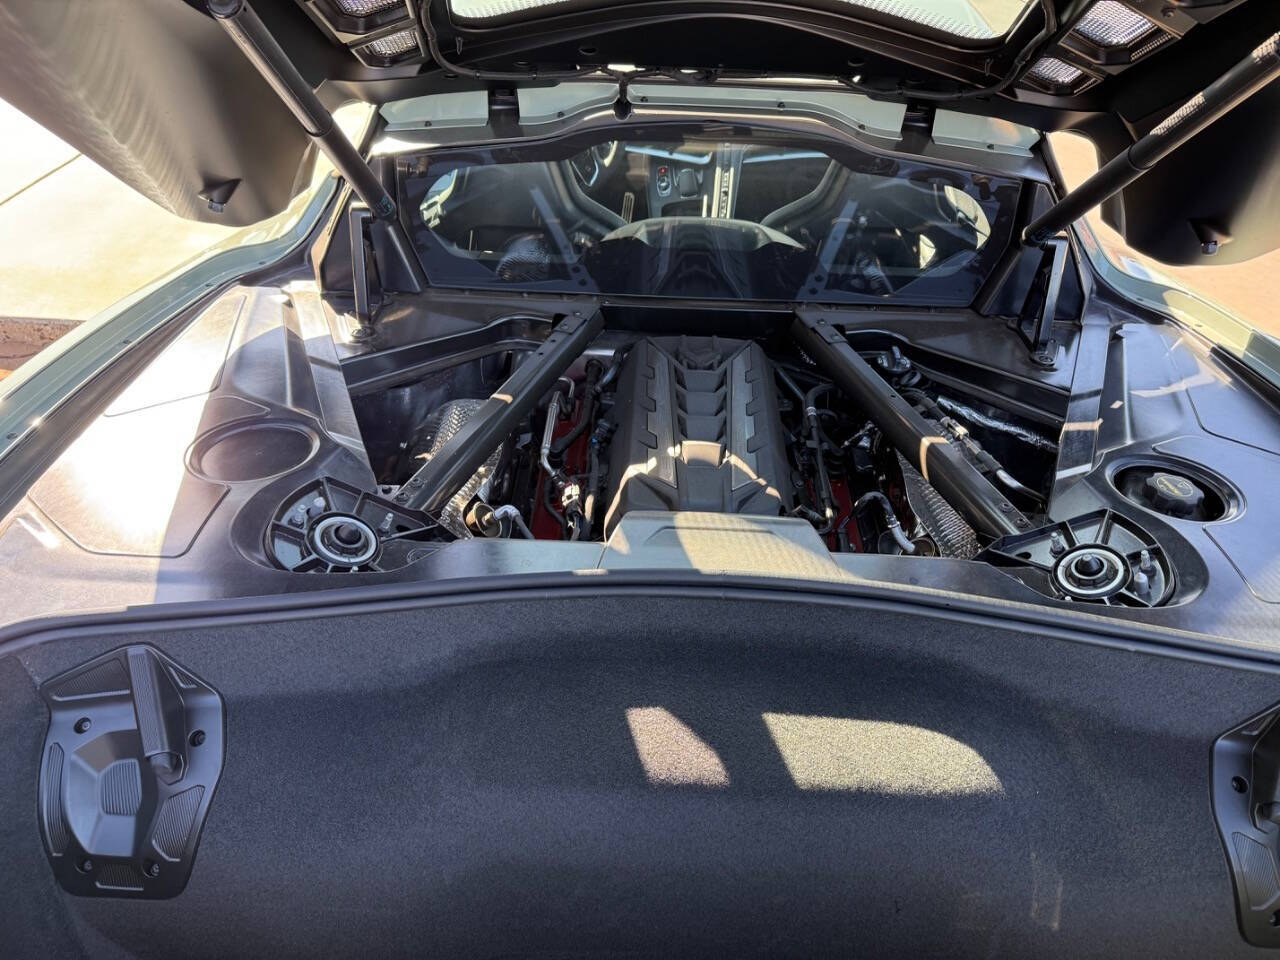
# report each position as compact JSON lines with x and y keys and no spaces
{"x":938,"y":460}
{"x":437,"y":480}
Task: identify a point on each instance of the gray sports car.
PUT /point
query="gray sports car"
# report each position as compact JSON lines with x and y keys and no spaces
{"x":659,"y":478}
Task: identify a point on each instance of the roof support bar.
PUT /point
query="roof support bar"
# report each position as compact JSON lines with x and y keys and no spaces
{"x":252,"y":37}
{"x":1234,"y":87}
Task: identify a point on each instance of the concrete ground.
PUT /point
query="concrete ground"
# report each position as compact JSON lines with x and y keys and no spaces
{"x":74,"y":240}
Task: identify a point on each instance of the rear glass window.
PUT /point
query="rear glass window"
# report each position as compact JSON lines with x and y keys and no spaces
{"x":708,"y":219}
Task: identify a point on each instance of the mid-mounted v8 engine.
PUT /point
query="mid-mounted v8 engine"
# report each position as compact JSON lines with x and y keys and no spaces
{"x":592,"y":426}
{"x":697,"y":427}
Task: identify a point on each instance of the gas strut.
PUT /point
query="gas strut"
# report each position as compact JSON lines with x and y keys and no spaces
{"x":255,"y":41}
{"x":465,"y":452}
{"x":1234,"y":87}
{"x":940,"y":461}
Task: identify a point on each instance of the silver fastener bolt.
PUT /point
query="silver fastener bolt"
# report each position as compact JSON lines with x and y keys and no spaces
{"x":1141,"y":583}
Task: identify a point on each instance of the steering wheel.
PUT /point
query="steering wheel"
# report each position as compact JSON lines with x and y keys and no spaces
{"x":588,"y":165}
{"x":738,"y":236}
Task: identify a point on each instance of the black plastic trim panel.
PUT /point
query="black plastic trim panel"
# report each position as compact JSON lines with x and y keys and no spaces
{"x":132,"y":757}
{"x":1244,"y":792}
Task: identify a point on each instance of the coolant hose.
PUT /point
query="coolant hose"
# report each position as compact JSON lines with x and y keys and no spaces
{"x":592,"y":394}
{"x":593,"y":486}
{"x":890,"y":518}
{"x":815,"y":434}
{"x":509,"y":512}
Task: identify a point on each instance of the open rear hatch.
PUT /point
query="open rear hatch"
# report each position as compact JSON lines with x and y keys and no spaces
{"x":203,"y":137}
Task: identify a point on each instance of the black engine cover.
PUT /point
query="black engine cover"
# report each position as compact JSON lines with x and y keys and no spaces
{"x":697,"y":429}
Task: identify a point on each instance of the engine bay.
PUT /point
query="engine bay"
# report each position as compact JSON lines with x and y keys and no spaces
{"x":707,"y":425}
{"x":265,"y":451}
{"x":694,"y":351}
{"x":635,"y":427}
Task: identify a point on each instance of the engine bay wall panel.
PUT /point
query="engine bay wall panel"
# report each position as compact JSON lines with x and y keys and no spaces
{"x":248,"y":394}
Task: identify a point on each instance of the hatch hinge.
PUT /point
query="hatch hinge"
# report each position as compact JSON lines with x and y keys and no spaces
{"x":1035,"y":323}
{"x":622,"y":105}
{"x":358,"y":220}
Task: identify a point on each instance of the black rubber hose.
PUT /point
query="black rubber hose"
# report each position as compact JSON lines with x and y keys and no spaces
{"x":593,"y":487}
{"x":890,"y":518}
{"x":549,"y":504}
{"x":594,"y":370}
{"x":842,"y":535}
{"x":811,"y":397}
{"x":808,"y":513}
{"x":816,"y":436}
{"x":792,"y":370}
